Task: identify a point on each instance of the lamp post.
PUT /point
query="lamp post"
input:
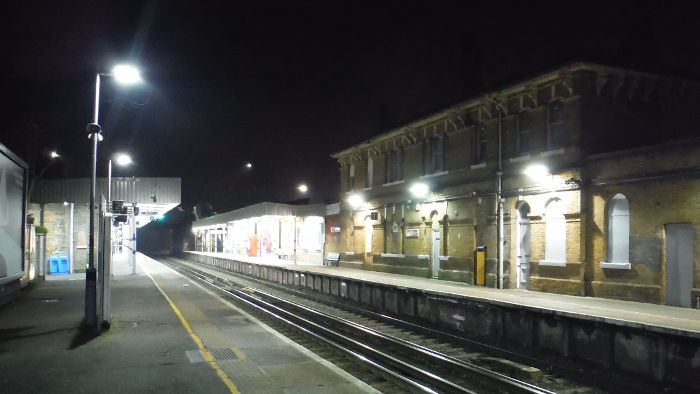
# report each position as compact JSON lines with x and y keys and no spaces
{"x":126,"y":75}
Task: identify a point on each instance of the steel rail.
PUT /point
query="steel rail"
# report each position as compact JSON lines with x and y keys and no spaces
{"x":421,"y":352}
{"x":255,"y":303}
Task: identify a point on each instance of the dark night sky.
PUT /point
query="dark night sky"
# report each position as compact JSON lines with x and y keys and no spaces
{"x":284,"y":85}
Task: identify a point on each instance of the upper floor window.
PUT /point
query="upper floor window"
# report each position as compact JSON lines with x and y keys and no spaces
{"x":556,"y":133}
{"x":523,"y":132}
{"x":370,"y":173}
{"x":618,"y":234}
{"x":393,"y":166}
{"x":479,"y":143}
{"x":351,"y":177}
{"x":437,"y":149}
{"x":554,"y":234}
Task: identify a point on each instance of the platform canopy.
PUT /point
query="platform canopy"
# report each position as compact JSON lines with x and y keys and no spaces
{"x":262,"y":209}
{"x":153,"y":196}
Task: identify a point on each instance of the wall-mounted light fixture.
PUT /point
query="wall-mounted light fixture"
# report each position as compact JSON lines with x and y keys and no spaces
{"x":419,"y":190}
{"x":537,"y":171}
{"x":355,"y":201}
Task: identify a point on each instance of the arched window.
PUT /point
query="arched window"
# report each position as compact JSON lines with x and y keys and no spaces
{"x":618,"y":234}
{"x":555,"y":234}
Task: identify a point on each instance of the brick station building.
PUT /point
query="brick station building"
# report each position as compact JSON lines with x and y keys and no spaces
{"x":599,"y":171}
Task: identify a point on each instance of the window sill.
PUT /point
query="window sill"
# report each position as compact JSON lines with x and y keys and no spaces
{"x":434,"y":174}
{"x":394,"y":255}
{"x":423,"y":257}
{"x":520,"y":158}
{"x":553,"y":263}
{"x":349,"y":253}
{"x":617,"y":266}
{"x":479,"y":165}
{"x":444,"y":258}
{"x":367,"y":188}
{"x":553,"y":152}
{"x":394,"y":183}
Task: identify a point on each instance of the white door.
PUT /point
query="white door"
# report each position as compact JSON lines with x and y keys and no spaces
{"x":435,"y":255}
{"x":679,"y":263}
{"x":523,"y":254}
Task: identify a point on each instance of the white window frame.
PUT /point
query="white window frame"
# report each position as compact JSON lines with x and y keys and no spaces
{"x":555,"y":234}
{"x":617,"y":235}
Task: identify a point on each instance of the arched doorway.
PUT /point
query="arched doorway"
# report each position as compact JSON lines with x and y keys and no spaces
{"x":522,"y":247}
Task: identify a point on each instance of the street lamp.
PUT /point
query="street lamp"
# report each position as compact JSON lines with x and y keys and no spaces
{"x":303,"y":188}
{"x":122,"y":160}
{"x":53,"y":155}
{"x":123,"y":74}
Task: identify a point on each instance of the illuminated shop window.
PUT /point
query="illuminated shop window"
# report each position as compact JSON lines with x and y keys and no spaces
{"x":311,"y":234}
{"x":618,"y":234}
{"x":555,"y":234}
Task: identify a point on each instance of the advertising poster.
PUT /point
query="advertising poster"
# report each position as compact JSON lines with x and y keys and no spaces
{"x":12,"y":184}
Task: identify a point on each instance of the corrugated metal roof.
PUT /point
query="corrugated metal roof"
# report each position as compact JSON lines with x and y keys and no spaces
{"x":262,"y":209}
{"x":138,"y":190}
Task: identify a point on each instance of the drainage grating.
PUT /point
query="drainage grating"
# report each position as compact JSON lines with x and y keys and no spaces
{"x":220,"y":354}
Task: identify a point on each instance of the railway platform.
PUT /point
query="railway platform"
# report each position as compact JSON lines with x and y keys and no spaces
{"x":640,"y":339}
{"x":168,"y":334}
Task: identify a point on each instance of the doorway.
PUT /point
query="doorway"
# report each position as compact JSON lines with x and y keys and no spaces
{"x":368,"y":235}
{"x":522,"y":233}
{"x":679,"y":264}
{"x":435,"y":246}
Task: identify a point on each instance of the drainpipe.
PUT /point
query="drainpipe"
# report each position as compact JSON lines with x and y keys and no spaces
{"x":499,"y":175}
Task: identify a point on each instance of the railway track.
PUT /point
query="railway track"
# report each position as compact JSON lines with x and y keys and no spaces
{"x":401,"y":359}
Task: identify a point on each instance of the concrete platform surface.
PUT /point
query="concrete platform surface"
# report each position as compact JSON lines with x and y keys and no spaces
{"x":168,"y":334}
{"x":652,"y":317}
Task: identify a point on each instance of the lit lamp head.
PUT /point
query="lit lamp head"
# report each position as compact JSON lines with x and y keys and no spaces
{"x":123,"y":159}
{"x":419,"y":190}
{"x":537,"y":171}
{"x":303,"y":188}
{"x":355,"y":201}
{"x":126,"y":74}
{"x":54,"y":155}
{"x":248,"y":165}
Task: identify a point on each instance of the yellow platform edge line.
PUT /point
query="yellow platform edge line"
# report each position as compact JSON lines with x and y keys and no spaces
{"x":206,"y":354}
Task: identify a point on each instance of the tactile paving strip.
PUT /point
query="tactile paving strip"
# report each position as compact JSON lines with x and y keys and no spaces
{"x":220,"y":354}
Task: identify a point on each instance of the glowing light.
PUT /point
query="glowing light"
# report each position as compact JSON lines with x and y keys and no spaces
{"x":303,"y":188}
{"x":123,"y":159}
{"x":419,"y":190}
{"x":355,"y":201}
{"x":249,"y":165}
{"x":126,"y":74}
{"x":537,"y":171}
{"x":54,"y":154}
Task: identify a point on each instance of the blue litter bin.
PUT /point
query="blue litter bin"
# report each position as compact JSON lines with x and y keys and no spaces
{"x":59,"y":264}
